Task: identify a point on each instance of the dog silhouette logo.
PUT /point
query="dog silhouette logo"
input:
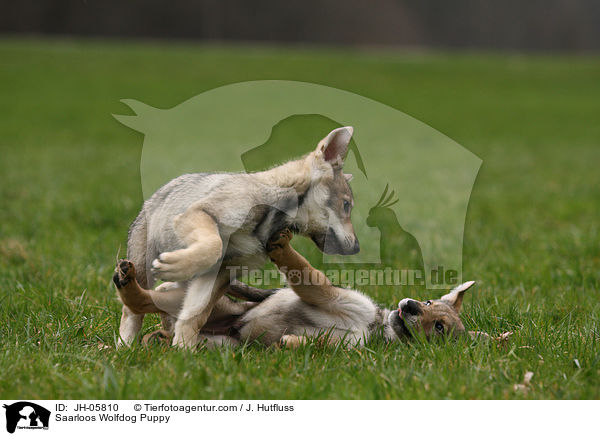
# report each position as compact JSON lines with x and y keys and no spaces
{"x":26,"y":415}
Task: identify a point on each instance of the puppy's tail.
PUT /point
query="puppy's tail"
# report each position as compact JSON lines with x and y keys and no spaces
{"x":245,"y":292}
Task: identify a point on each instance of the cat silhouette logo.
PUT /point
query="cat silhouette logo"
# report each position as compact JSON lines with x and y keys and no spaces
{"x":26,"y":415}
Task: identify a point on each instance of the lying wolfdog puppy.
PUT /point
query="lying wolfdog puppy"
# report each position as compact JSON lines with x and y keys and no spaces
{"x":195,"y":226}
{"x":310,"y":307}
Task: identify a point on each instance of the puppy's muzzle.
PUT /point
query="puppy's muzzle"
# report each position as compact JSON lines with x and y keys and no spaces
{"x":410,"y":307}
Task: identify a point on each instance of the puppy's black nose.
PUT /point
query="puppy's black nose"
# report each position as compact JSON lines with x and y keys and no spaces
{"x":411,"y":307}
{"x":356,"y":247}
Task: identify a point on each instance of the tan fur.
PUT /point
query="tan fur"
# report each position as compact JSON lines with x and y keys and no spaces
{"x":140,"y":300}
{"x":438,"y":312}
{"x":204,"y":246}
{"x":311,"y":307}
{"x":292,"y":341}
{"x":435,"y":317}
{"x":294,"y":174}
{"x":313,"y":286}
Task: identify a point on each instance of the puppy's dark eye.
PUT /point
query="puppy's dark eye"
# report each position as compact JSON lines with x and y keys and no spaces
{"x":347,"y":206}
{"x":439,"y":327}
{"x":428,"y":303}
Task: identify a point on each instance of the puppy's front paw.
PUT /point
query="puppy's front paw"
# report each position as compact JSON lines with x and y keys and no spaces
{"x":174,"y":266}
{"x":291,"y":341}
{"x":279,"y":242}
{"x":158,"y":337}
{"x":124,"y":273}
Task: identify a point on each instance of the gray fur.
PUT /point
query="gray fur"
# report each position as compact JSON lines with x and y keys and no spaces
{"x":247,"y":210}
{"x":236,"y":201}
{"x":352,"y":316}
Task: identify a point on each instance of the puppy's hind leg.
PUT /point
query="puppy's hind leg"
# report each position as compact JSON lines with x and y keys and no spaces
{"x":200,"y":233}
{"x":169,"y":318}
{"x":128,"y":289}
{"x":202,"y":294}
{"x":138,"y":301}
{"x":130,"y":326}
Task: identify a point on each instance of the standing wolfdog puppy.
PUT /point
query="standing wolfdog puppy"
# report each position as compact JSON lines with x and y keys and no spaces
{"x":197,"y":225}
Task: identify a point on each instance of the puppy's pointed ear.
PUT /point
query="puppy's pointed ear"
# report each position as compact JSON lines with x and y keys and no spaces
{"x":455,"y":296}
{"x":333,"y":147}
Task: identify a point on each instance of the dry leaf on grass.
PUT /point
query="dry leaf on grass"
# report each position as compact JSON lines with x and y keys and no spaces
{"x":524,"y":387}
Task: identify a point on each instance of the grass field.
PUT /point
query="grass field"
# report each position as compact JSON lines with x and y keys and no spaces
{"x":70,"y":188}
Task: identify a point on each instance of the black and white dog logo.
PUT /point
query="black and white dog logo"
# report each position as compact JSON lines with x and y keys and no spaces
{"x":26,"y":415}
